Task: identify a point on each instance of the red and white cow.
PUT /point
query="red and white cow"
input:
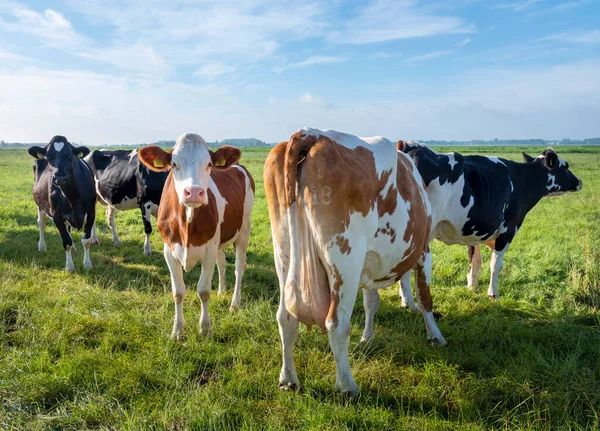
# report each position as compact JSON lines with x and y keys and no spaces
{"x":205,"y":206}
{"x":346,"y":212}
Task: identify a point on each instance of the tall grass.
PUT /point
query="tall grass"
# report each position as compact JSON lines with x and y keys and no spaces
{"x":91,"y":350}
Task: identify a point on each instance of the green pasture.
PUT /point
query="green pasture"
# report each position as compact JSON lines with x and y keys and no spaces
{"x":91,"y":350}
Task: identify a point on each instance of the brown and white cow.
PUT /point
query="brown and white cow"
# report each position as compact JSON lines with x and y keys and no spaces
{"x":346,"y":212}
{"x":205,"y":206}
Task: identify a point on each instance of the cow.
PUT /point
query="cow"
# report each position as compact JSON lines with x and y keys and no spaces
{"x":205,"y":206}
{"x":345,"y":212}
{"x":484,"y":200}
{"x":63,"y":190}
{"x":123,"y":183}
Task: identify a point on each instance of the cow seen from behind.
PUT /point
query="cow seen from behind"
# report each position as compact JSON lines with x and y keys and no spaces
{"x":346,"y":212}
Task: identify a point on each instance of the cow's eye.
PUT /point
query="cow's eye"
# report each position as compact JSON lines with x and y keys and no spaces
{"x":210,"y":165}
{"x":175,"y":165}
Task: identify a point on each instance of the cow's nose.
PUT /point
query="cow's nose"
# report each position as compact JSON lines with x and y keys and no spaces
{"x":60,"y":179}
{"x":193,"y":194}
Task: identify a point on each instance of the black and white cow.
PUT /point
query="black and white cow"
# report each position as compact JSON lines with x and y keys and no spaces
{"x":123,"y":183}
{"x":63,"y":190}
{"x":481,"y":200}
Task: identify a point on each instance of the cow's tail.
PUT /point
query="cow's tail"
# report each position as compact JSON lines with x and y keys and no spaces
{"x":295,"y":153}
{"x":306,"y":288}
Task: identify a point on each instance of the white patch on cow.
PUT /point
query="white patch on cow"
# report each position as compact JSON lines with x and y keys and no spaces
{"x":87,"y":243}
{"x":561,"y":162}
{"x":69,"y":266}
{"x":512,"y":187}
{"x":383,"y":150}
{"x":552,"y":186}
{"x":191,"y":157}
{"x":496,"y":160}
{"x":128,"y":203}
{"x":131,"y":155}
{"x":452,"y":161}
{"x":495,"y":267}
{"x":58,"y":146}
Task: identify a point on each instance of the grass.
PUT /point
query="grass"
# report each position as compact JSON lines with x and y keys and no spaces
{"x":91,"y":350}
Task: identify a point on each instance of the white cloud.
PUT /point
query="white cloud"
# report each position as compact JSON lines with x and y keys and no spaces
{"x":385,"y":20}
{"x":310,"y":61}
{"x":463,"y":42}
{"x":518,"y":6}
{"x":429,"y":56}
{"x":137,"y":57}
{"x":309,"y":99}
{"x":583,"y":37}
{"x":211,"y":70}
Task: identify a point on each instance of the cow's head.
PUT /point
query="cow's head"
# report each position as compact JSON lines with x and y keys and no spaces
{"x":191,"y":162}
{"x":61,"y":157}
{"x":560,"y":178}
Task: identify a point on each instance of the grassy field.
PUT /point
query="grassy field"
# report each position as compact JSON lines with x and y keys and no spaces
{"x":91,"y":350}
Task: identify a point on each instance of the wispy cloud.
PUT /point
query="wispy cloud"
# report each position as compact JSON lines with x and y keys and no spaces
{"x":309,"y":99}
{"x":560,"y":7}
{"x":211,"y":70}
{"x":518,"y":6}
{"x":311,"y":61}
{"x":463,"y":42}
{"x":583,"y":37}
{"x":385,"y":20}
{"x":429,"y":56}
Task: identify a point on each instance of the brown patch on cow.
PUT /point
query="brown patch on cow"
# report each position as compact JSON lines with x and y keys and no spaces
{"x":337,"y":277}
{"x":400,"y":145}
{"x":204,"y":296}
{"x":491,"y":244}
{"x":419,"y":222}
{"x":333,"y":306}
{"x":225,"y":156}
{"x":386,"y":205}
{"x":423,"y":289}
{"x":172,"y":220}
{"x":343,"y":244}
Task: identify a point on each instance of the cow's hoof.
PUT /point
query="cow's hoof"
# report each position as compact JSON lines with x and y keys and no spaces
{"x":148,"y":252}
{"x":117,"y":241}
{"x":222,"y":290}
{"x":349,"y":392}
{"x":205,"y":330}
{"x":234,"y":308}
{"x":414,"y":308}
{"x":492,"y":297}
{"x":367,"y":336}
{"x":178,"y":336}
{"x":288,"y":386}
{"x":70,"y":269}
{"x":95,"y":241}
{"x":438,"y":342}
{"x":42,"y":249}
{"x":87,"y":265}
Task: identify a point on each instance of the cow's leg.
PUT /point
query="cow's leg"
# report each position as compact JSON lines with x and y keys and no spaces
{"x":110,"y":220}
{"x":475,"y":266}
{"x":500,"y":248}
{"x":406,"y":295}
{"x":371,"y":305}
{"x":95,"y":239}
{"x":41,"y":221}
{"x":204,"y":286}
{"x":67,"y":242}
{"x":86,"y":239}
{"x":221,"y":266}
{"x":240,"y":267}
{"x":422,"y":284}
{"x":288,"y":324}
{"x":178,"y":288}
{"x":146,"y":214}
{"x":343,"y":296}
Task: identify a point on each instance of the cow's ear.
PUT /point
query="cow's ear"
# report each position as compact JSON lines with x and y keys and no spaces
{"x":401,"y":145}
{"x":551,"y":159}
{"x":225,"y":156}
{"x":155,"y":158}
{"x":81,"y":152}
{"x":527,"y":157}
{"x":37,"y":152}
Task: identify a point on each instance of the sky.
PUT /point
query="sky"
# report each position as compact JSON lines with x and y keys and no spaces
{"x":105,"y":72}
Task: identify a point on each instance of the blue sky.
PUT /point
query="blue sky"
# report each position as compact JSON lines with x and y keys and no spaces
{"x":110,"y":72}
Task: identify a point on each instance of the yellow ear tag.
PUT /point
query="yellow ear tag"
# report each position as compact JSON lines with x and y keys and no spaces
{"x":40,"y":155}
{"x":220,"y":162}
{"x":158,"y":163}
{"x":79,"y":155}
